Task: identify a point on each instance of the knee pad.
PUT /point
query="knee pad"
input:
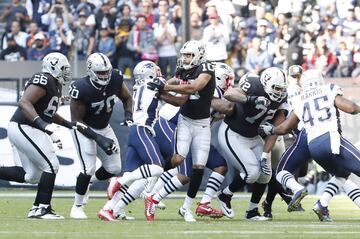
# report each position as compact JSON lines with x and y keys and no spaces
{"x":252,"y":176}
{"x":114,"y":169}
{"x":263,"y":178}
{"x":33,"y":178}
{"x":54,"y":168}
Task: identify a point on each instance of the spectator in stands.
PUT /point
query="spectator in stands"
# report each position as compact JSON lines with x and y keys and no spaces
{"x":196,"y":28}
{"x":60,"y":39}
{"x":125,"y":11}
{"x":147,"y":10}
{"x":36,"y":9}
{"x":13,"y":51}
{"x":104,"y":18}
{"x":356,"y":71}
{"x":177,"y":13}
{"x":106,"y":44}
{"x":15,"y":12}
{"x":344,"y":59}
{"x":257,"y":59}
{"x":165,"y":35}
{"x":40,"y":50}
{"x":141,"y":41}
{"x":281,"y":47}
{"x":350,"y":24}
{"x":88,"y":9}
{"x":216,"y":37}
{"x":125,"y":57}
{"x":331,"y":38}
{"x":33,"y":28}
{"x":266,"y":34}
{"x":163,"y":9}
{"x":57,"y":10}
{"x":84,"y":37}
{"x":134,"y":6}
{"x":20,"y":36}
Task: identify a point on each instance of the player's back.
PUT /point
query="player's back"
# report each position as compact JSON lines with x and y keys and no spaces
{"x":316,"y":109}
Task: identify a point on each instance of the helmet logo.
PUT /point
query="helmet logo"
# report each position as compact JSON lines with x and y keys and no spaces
{"x":54,"y":61}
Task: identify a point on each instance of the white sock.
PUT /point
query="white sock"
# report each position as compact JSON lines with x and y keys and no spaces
{"x":187,"y":202}
{"x":213,"y":184}
{"x":252,"y":206}
{"x":331,"y":190}
{"x":144,"y":171}
{"x":170,"y":186}
{"x":79,"y":199}
{"x":227,"y":191}
{"x":131,"y":194}
{"x":287,"y":179}
{"x":166,"y":176}
{"x":353,"y":191}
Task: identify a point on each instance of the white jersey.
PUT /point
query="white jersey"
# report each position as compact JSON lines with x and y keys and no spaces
{"x":146,"y":106}
{"x":316,"y":109}
{"x":293,"y":90}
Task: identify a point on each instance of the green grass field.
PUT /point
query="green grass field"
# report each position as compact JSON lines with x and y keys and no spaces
{"x":168,"y":224}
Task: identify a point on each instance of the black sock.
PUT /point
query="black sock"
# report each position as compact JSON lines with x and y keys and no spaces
{"x":168,"y":165}
{"x":236,"y":184}
{"x":195,"y":181}
{"x":15,"y":173}
{"x":82,"y":183}
{"x":272,"y":190}
{"x":258,"y":190}
{"x":102,"y":174}
{"x":45,"y":188}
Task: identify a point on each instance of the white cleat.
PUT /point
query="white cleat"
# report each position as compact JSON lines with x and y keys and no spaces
{"x":77,"y":212}
{"x":32,"y":212}
{"x":47,"y":213}
{"x":186,"y":214}
{"x":254,"y":215}
{"x":122,"y":216}
{"x":161,"y":205}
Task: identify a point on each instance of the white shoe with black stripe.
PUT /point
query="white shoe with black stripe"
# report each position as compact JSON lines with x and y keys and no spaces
{"x":47,"y":213}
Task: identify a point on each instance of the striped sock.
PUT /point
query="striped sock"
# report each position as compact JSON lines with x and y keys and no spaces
{"x":331,"y":190}
{"x":144,"y":171}
{"x":166,"y":176}
{"x":353,"y":191}
{"x":170,"y":186}
{"x":213,"y":184}
{"x":110,"y":204}
{"x":287,"y":180}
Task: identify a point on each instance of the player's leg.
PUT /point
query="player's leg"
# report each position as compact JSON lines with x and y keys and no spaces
{"x":182,"y":141}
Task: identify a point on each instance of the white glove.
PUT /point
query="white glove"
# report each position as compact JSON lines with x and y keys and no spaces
{"x":55,"y":139}
{"x":266,"y":129}
{"x":264,"y":166}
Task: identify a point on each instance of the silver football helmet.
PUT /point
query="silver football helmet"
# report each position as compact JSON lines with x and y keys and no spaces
{"x":145,"y":71}
{"x":311,"y":79}
{"x":224,"y":75}
{"x":99,"y":68}
{"x":57,"y":65}
{"x":197,"y":50}
{"x":274,"y":82}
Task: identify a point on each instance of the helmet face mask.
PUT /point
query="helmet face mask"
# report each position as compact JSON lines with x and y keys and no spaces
{"x":224,"y":76}
{"x":99,"y":68}
{"x":274,"y":81}
{"x":57,"y":65}
{"x":145,"y":71}
{"x":192,"y":54}
{"x":311,"y":79}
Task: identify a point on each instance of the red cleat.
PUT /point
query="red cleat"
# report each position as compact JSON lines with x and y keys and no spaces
{"x":205,"y":209}
{"x":150,"y":205}
{"x":113,"y":187}
{"x":106,"y":215}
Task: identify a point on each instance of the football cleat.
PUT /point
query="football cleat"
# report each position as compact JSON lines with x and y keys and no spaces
{"x":161,"y":206}
{"x":322,"y":212}
{"x":113,"y":187}
{"x":123,"y":217}
{"x":47,"y":213}
{"x":267,"y":210}
{"x":225,"y":205}
{"x":186,"y":214}
{"x":32,"y":212}
{"x":150,"y":207}
{"x":296,"y":199}
{"x":205,"y":209}
{"x":299,"y":208}
{"x":77,"y":212}
{"x":254,"y":215}
{"x":106,"y":215}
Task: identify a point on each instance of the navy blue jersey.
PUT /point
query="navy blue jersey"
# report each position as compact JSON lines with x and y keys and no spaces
{"x":99,"y":101}
{"x":46,"y":106}
{"x":247,"y":118}
{"x":198,"y":105}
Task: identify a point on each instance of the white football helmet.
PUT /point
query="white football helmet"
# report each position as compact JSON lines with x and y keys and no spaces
{"x":311,"y":79}
{"x":146,"y":70}
{"x":99,"y":68}
{"x":294,"y":74}
{"x":197,"y":50}
{"x":274,"y":81}
{"x":224,"y":75}
{"x":57,"y":65}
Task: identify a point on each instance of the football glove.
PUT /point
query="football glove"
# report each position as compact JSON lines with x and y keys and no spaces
{"x":106,"y":144}
{"x":156,"y":84}
{"x":266,"y":129}
{"x":258,"y":100}
{"x":54,"y":137}
{"x":265,"y":167}
{"x":128,"y":119}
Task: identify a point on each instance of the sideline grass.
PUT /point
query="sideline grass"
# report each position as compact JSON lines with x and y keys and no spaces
{"x":168,"y":224}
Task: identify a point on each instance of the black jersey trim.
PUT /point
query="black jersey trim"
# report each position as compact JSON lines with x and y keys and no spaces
{"x":79,"y":150}
{"x":37,"y":148}
{"x":233,"y":152}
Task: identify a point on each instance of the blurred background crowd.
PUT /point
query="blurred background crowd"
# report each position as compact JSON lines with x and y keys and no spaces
{"x":249,"y":35}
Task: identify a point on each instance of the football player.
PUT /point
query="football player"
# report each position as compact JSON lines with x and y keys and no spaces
{"x":317,"y":109}
{"x":29,"y":130}
{"x":256,"y":99}
{"x":193,"y":128}
{"x":92,"y":101}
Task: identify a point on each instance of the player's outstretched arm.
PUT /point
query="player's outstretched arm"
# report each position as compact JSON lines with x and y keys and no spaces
{"x":192,"y":88}
{"x":174,"y":100}
{"x":346,"y":105}
{"x":236,"y":95}
{"x":127,"y":101}
{"x":288,"y":125}
{"x":222,"y":106}
{"x":270,"y":140}
{"x":58,"y":119}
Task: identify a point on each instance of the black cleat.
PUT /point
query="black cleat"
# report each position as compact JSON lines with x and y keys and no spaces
{"x":267,"y":210}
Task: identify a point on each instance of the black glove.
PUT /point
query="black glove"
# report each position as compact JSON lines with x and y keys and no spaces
{"x":128,"y":119}
{"x":156,"y":85}
{"x":106,"y":144}
{"x":266,"y":129}
{"x":258,"y":100}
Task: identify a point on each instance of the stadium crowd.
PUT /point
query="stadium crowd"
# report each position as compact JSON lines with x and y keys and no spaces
{"x":249,"y":35}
